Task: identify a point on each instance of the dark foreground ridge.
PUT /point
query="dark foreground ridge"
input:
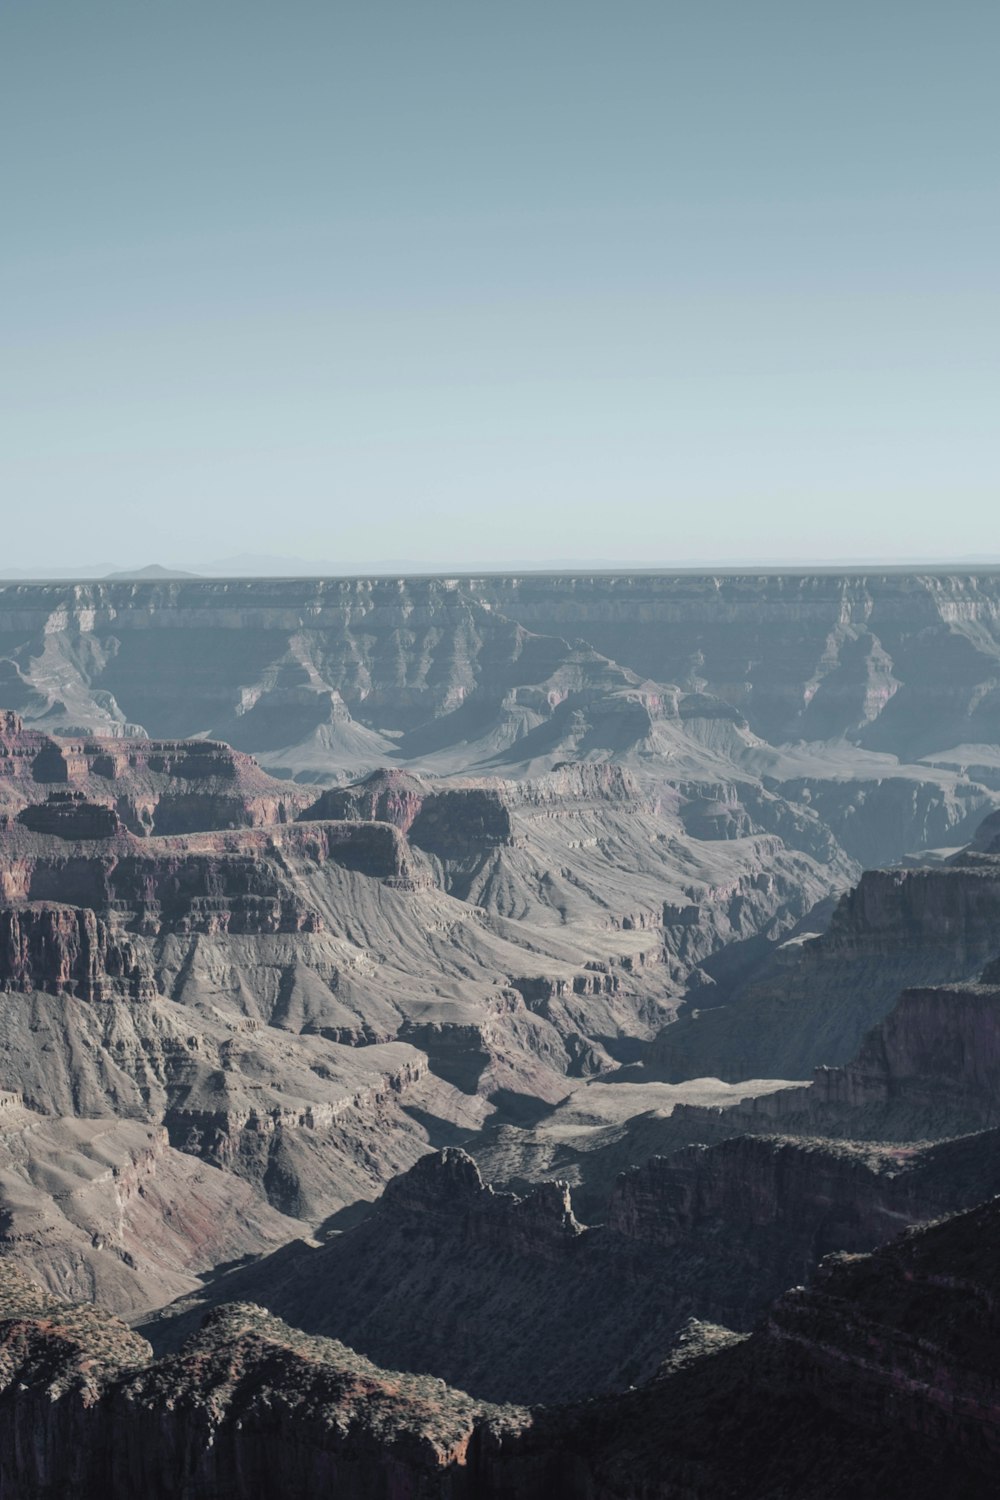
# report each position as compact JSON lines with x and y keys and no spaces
{"x":514,"y":1300}
{"x":879,"y":1379}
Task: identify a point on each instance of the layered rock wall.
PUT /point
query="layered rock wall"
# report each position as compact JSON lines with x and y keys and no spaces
{"x":152,"y":786}
{"x":814,"y":1001}
{"x":897,"y":661}
{"x":930,"y":1069}
{"x":64,"y":950}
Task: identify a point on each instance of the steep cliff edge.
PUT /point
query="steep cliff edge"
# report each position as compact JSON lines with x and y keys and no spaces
{"x":227,"y":881}
{"x":152,"y":786}
{"x":249,"y":1408}
{"x":66,"y":950}
{"x":451,"y":823}
{"x":930,"y":1069}
{"x":815,"y":999}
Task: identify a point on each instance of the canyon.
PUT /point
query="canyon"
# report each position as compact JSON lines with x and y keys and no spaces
{"x":499,"y":1036}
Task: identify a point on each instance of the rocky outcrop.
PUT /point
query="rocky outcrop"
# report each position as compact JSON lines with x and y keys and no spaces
{"x":64,"y":950}
{"x":452,"y":1276}
{"x":250,"y":1408}
{"x":375,"y":849}
{"x":27,"y":754}
{"x":510,"y":1297}
{"x":152,"y":786}
{"x":452,"y":823}
{"x":456,"y":824}
{"x":386,"y":796}
{"x":68,"y":815}
{"x":815,"y":998}
{"x":467,"y":817}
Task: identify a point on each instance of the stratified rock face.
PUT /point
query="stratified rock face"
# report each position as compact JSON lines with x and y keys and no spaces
{"x":235,"y":983}
{"x":212,"y":882}
{"x":937,"y":1049}
{"x":556,"y":810}
{"x":164,"y":787}
{"x":194,"y":983}
{"x":68,"y":815}
{"x":452,"y":824}
{"x":781,"y":1203}
{"x":815,"y":1000}
{"x":595,"y":845}
{"x":896,"y":661}
{"x":106,"y":1211}
{"x":933,"y":1296}
{"x":386,"y":796}
{"x":68,"y":951}
{"x":340,"y":930}
{"x":331,"y":679}
{"x":874,"y":818}
{"x":300,"y":1005}
{"x":930,"y":1069}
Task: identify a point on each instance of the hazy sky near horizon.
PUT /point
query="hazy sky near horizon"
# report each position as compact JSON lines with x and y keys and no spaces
{"x":468,"y":282}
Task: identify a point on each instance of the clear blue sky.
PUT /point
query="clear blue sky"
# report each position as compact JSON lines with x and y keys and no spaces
{"x":460,"y":282}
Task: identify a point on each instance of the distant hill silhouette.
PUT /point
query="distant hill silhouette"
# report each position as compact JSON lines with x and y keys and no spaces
{"x":153,"y":570}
